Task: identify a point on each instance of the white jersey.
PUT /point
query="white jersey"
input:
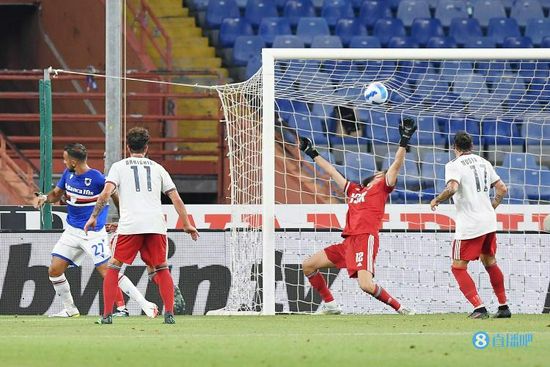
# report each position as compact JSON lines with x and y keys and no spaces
{"x":475,"y":213}
{"x":140,"y":182}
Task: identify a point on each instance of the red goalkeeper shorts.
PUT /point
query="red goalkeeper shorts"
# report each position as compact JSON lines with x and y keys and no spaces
{"x":470,"y":249}
{"x":355,"y":253}
{"x":152,"y":248}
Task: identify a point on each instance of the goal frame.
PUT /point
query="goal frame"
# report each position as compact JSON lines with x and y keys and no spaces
{"x":270,"y":55}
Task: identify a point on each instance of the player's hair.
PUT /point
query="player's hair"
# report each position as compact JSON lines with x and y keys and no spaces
{"x":137,"y":139}
{"x":77,"y":151}
{"x":367,"y":180}
{"x":463,"y":141}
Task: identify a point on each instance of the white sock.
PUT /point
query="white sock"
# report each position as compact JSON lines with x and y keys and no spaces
{"x":63,"y":290}
{"x":130,"y":289}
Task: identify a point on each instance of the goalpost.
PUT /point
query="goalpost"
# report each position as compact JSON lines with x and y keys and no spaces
{"x":285,"y":208}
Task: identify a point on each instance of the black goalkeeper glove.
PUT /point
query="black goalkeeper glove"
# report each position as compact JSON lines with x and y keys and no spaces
{"x":307,"y":147}
{"x":406,"y":130}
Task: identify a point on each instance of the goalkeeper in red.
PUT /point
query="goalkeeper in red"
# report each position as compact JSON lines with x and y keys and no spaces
{"x":366,"y":203}
{"x":469,"y":179}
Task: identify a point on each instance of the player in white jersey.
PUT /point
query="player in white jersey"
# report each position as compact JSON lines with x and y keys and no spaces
{"x":81,"y":186}
{"x":469,"y":179}
{"x":140,"y":182}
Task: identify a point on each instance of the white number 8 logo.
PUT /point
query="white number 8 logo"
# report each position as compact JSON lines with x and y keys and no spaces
{"x":480,"y":340}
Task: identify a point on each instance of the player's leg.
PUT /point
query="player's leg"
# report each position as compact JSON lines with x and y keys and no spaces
{"x":464,"y":251}
{"x":311,"y":267}
{"x":179,"y":301}
{"x":367,"y":285}
{"x":488,"y":259}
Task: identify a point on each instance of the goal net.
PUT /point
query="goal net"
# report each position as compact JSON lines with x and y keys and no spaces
{"x":286,"y":208}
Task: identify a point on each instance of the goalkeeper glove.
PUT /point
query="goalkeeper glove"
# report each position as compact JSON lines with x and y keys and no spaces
{"x":406,"y":130}
{"x":307,"y":147}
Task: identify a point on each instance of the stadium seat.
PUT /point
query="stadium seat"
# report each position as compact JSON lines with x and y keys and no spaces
{"x":296,"y":9}
{"x":428,"y":132}
{"x":383,"y":128}
{"x":520,"y":161}
{"x":348,"y":28}
{"x":433,"y":169}
{"x":242,"y":3}
{"x":409,"y":10}
{"x":401,"y":42}
{"x":373,"y":10}
{"x":424,"y":28}
{"x":218,"y":10}
{"x":463,"y":29}
{"x":523,"y":10}
{"x":256,"y":10}
{"x":364,"y":42}
{"x":387,"y":28}
{"x":409,"y":175}
{"x":246,"y":47}
{"x":441,"y":42}
{"x":198,"y":5}
{"x":231,"y":28}
{"x":288,"y":42}
{"x":431,"y":89}
{"x":537,"y":29}
{"x":487,"y":9}
{"x":480,"y":42}
{"x":309,"y":126}
{"x":509,"y":88}
{"x":501,"y":132}
{"x":287,"y":108}
{"x":446,"y":10}
{"x":326,"y":42}
{"x":536,"y":133}
{"x":450,"y":68}
{"x":468,"y":86}
{"x":333,"y":10}
{"x":311,"y":27}
{"x":271,"y":27}
{"x":500,"y":28}
{"x":450,"y":126}
{"x":517,"y":42}
{"x":254,"y":64}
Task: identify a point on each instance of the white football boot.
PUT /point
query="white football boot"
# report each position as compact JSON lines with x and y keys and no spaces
{"x":329,"y":308}
{"x":151,"y":310}
{"x":403,"y":310}
{"x":71,"y":312}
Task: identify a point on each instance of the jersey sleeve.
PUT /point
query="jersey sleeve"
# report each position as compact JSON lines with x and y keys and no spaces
{"x":350,"y":187}
{"x":167,"y":183}
{"x":61,"y":182}
{"x":388,"y":188}
{"x":452,"y":173}
{"x":493,"y":175}
{"x":114,"y":175}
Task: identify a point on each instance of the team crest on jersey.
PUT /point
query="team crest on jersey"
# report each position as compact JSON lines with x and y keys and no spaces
{"x":87,"y":181}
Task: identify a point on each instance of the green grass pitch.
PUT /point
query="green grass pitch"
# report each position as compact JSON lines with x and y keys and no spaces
{"x":278,"y":341}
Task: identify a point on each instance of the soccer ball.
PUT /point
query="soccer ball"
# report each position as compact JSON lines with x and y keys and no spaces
{"x":375,"y":92}
{"x":546,"y":224}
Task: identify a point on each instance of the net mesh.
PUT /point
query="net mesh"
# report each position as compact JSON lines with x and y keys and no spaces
{"x":503,"y":104}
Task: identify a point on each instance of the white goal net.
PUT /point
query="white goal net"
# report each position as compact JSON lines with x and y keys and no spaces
{"x":500,"y":97}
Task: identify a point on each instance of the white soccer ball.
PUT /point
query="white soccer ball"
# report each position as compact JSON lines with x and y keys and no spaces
{"x":375,"y":92}
{"x":546,"y":224}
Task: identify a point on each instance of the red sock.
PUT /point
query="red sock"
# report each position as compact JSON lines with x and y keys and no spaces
{"x":110,"y":286}
{"x":166,"y":288}
{"x":383,"y":296}
{"x":318,"y":283}
{"x":467,"y":286}
{"x":497,"y":281}
{"x":119,"y":298}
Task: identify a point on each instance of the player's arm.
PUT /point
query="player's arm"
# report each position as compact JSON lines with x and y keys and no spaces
{"x":182,"y":212}
{"x":500,"y":193}
{"x":406,"y":130}
{"x":102,"y":201}
{"x":51,"y":197}
{"x":307,"y":147}
{"x":446,"y":194}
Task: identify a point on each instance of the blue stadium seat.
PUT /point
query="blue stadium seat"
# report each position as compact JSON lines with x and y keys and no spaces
{"x":198,"y":5}
{"x":537,"y":29}
{"x":409,"y":177}
{"x":433,"y":170}
{"x":311,"y":27}
{"x":500,"y":28}
{"x":246,"y":47}
{"x":487,"y":9}
{"x":383,"y":128}
{"x":309,"y":126}
{"x":545,"y":4}
{"x":364,"y":42}
{"x":424,"y":28}
{"x":333,"y":10}
{"x":287,"y":108}
{"x":450,"y":126}
{"x":387,"y":28}
{"x":450,"y":68}
{"x":348,"y":28}
{"x":537,"y":185}
{"x":517,"y":42}
{"x":256,"y":10}
{"x":480,"y":42}
{"x":242,"y":3}
{"x":231,"y":28}
{"x":271,"y":27}
{"x":509,"y":88}
{"x":356,"y":4}
{"x":446,"y":10}
{"x":288,"y":42}
{"x":431,"y":89}
{"x":401,"y":42}
{"x":409,"y":10}
{"x":373,"y":10}
{"x":523,"y":10}
{"x":296,"y":9}
{"x":520,"y":161}
{"x":441,"y":42}
{"x":463,"y":29}
{"x":468,"y":86}
{"x":326,"y":42}
{"x":536,"y":133}
{"x":428,"y":132}
{"x":254,"y":64}
{"x":501,"y":132}
{"x":358,"y":166}
{"x":218,"y":10}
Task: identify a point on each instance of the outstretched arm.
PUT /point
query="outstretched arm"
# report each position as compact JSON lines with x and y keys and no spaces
{"x":182,"y":212}
{"x":500,"y":193}
{"x":406,"y":130}
{"x":307,"y":147}
{"x":51,"y":197}
{"x":102,"y":200}
{"x":450,"y":190}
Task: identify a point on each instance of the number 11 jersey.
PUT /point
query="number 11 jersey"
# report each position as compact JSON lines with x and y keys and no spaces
{"x":475,"y":215}
{"x":140,"y":182}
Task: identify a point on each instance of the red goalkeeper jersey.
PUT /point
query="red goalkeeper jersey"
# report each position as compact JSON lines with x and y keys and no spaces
{"x":365,"y":207}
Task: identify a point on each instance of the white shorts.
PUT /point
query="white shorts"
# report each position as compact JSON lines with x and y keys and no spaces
{"x":74,"y":244}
